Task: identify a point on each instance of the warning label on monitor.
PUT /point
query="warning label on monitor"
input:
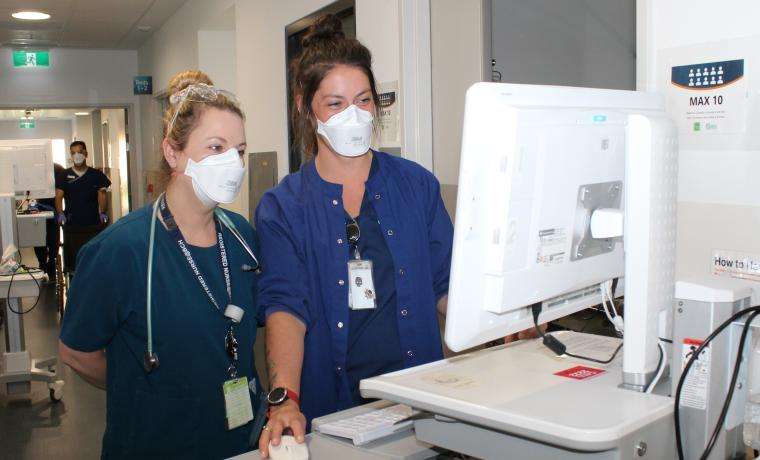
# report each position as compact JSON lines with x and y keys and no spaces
{"x":697,"y":383}
{"x":551,"y":246}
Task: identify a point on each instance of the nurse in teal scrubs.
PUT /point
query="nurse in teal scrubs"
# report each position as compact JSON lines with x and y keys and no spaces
{"x":173,"y":345}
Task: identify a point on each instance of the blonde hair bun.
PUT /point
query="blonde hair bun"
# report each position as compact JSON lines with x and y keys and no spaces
{"x":189,"y":77}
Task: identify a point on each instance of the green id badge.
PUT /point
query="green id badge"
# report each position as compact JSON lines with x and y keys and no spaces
{"x":237,"y":402}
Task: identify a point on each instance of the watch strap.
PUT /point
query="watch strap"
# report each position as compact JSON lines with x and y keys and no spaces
{"x":292,"y":395}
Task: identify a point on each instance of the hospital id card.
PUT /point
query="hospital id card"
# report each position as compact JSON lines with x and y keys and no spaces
{"x":361,"y":286}
{"x":237,"y":402}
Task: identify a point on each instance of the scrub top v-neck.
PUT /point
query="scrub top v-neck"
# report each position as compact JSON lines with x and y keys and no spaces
{"x":80,"y":193}
{"x":177,"y":410}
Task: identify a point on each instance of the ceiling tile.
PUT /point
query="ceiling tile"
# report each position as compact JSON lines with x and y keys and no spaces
{"x":94,"y":34}
{"x":110,"y":10}
{"x":87,"y":23}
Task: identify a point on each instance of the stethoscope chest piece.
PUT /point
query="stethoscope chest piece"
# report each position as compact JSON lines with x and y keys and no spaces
{"x":150,"y":361}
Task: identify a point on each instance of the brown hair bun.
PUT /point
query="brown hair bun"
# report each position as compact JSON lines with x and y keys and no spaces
{"x":189,"y":77}
{"x":325,"y":46}
{"x":326,"y":28}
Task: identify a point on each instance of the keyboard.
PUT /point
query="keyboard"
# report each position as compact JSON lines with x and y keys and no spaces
{"x":369,"y":426}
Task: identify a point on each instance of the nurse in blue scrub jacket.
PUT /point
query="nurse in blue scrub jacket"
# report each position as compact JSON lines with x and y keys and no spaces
{"x":357,"y":246}
{"x":162,"y":312}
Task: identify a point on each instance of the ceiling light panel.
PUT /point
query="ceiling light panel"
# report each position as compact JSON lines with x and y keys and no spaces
{"x":30,"y":15}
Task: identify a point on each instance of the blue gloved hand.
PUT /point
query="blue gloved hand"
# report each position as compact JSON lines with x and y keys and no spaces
{"x":61,"y":219}
{"x":103,"y":218}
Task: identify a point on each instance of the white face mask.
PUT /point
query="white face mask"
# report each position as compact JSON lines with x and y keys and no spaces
{"x":348,"y":132}
{"x":217,"y":178}
{"x":78,"y":159}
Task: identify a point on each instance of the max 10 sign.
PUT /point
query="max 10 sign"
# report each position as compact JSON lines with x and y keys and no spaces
{"x":709,"y":97}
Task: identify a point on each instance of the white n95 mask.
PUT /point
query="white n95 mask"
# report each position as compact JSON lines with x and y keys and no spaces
{"x":348,"y":132}
{"x":78,"y":158}
{"x":217,"y":178}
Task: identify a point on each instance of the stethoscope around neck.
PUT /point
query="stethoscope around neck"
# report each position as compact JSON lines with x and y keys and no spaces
{"x":150,"y":360}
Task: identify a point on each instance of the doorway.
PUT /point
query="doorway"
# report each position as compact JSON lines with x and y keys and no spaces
{"x":104,"y":130}
{"x":294,"y":33}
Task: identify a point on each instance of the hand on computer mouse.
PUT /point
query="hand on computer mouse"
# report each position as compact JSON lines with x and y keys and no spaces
{"x":283,"y":419}
{"x":288,"y":449}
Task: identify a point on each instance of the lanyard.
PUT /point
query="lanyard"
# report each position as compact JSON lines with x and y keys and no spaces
{"x":182,"y":244}
{"x":353,"y":234}
{"x":230,"y":342}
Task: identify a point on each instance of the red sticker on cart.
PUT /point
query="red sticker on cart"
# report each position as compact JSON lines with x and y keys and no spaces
{"x":580,"y":372}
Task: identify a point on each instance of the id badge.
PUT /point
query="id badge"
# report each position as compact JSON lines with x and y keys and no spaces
{"x":237,"y":402}
{"x":361,"y":286}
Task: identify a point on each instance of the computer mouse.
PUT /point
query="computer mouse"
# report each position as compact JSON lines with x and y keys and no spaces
{"x":288,"y":449}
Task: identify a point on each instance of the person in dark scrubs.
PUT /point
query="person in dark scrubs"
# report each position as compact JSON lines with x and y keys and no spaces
{"x":83,"y":189}
{"x":357,"y":246}
{"x":172,"y":345}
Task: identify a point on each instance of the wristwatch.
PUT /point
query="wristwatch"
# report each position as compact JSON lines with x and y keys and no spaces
{"x":281,"y":394}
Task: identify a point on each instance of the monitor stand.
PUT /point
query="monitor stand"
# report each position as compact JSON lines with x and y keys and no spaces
{"x":522,"y":401}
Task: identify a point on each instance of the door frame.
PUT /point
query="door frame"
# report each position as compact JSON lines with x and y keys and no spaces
{"x":134,"y":156}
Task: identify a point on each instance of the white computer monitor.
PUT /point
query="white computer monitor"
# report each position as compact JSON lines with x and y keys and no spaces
{"x":26,"y":168}
{"x":536,"y":163}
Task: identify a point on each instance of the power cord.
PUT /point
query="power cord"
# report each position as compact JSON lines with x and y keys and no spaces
{"x":31,"y":272}
{"x":559,"y":348}
{"x":755,"y":311}
{"x":661,"y":363}
{"x":607,"y":290}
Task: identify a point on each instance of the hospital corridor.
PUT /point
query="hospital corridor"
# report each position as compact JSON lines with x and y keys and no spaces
{"x":379,"y":229}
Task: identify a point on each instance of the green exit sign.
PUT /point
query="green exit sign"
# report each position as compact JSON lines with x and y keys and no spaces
{"x":31,"y":59}
{"x":26,"y":123}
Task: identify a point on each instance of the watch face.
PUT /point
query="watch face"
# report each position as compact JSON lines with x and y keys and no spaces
{"x":277,"y":395}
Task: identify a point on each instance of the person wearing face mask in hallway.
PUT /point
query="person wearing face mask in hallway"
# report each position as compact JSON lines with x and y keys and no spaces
{"x":83,"y":189}
{"x":357,"y":246}
{"x":162,"y":312}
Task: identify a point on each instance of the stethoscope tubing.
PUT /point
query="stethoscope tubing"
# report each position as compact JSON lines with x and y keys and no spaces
{"x":225,"y":220}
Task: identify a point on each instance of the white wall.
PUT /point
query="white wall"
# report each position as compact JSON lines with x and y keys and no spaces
{"x":76,"y":78}
{"x":174,"y":47}
{"x":719,"y":207}
{"x":43,"y":129}
{"x":259,"y":61}
{"x":117,"y":161}
{"x":457,"y":62}
{"x":377,"y":27}
{"x":186,"y":41}
{"x":216,"y":56}
{"x":83,"y":130}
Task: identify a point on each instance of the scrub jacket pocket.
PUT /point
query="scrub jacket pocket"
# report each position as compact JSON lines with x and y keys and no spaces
{"x":164,"y":426}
